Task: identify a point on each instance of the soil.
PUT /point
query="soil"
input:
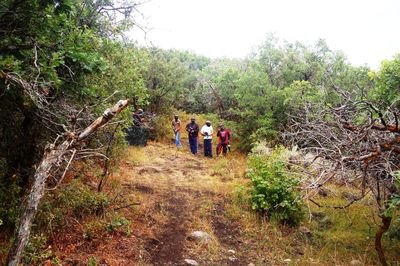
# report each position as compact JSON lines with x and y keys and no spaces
{"x":172,"y":187}
{"x":168,"y":249}
{"x":228,"y":234}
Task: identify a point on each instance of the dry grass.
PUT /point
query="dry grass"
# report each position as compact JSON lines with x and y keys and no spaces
{"x":176,"y":188}
{"x":344,"y":235}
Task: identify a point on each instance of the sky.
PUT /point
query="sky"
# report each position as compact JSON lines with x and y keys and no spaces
{"x":367,"y":31}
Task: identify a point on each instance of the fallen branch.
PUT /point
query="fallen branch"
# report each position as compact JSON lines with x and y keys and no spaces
{"x":342,"y":207}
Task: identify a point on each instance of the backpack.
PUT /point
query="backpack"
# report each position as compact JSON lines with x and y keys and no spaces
{"x":223,"y":136}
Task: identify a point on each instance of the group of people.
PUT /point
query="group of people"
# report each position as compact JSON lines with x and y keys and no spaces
{"x":207,"y":131}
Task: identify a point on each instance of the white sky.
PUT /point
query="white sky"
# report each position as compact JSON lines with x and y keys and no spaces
{"x":367,"y":31}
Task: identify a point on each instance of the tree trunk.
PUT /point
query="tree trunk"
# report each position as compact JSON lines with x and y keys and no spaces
{"x":52,"y":156}
{"x":378,"y":238}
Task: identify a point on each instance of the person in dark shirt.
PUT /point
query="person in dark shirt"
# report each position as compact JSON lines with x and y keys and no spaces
{"x":193,"y":130}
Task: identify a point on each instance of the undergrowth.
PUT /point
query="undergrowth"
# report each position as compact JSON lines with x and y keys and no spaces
{"x":77,"y":205}
{"x":274,"y":190}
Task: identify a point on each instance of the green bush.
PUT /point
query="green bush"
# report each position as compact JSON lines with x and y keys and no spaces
{"x":35,"y":252}
{"x":119,"y":223}
{"x":274,"y":189}
{"x":75,"y":200}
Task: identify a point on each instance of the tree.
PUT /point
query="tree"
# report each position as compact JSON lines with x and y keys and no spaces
{"x":52,"y":158}
{"x":58,"y":60}
{"x":164,"y":78}
{"x":359,"y":137}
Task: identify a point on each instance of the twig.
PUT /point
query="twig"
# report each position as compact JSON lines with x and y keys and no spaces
{"x":65,"y":171}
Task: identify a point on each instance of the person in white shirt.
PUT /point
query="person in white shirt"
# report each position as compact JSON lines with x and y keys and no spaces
{"x":207,"y":131}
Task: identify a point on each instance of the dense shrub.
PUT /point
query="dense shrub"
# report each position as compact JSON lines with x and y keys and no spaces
{"x":274,"y":189}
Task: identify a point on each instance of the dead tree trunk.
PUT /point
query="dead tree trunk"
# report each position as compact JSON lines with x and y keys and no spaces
{"x":378,"y":238}
{"x":52,"y":156}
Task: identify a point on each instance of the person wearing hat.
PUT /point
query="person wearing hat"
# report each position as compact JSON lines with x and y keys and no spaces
{"x":176,"y":127}
{"x":193,"y":130}
{"x":207,"y":132}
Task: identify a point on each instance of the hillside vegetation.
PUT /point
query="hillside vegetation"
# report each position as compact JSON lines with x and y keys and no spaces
{"x":313,"y":176}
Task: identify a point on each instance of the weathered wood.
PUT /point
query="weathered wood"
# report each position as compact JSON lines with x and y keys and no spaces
{"x":107,"y":116}
{"x":52,"y":156}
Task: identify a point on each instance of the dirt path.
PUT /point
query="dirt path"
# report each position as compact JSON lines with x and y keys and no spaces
{"x":178,"y":194}
{"x":175,"y":194}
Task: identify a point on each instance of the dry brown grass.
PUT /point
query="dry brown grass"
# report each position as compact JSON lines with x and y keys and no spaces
{"x":180,"y":193}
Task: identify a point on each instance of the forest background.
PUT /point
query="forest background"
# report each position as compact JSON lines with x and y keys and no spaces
{"x":62,"y":63}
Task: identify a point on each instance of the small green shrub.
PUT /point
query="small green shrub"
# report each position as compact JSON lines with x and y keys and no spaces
{"x":119,"y":223}
{"x":92,"y":261}
{"x":35,"y":252}
{"x":273,"y":188}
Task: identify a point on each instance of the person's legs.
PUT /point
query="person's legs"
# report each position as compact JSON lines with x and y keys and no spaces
{"x":192,"y":145}
{"x":207,"y":148}
{"x":178,"y":139}
{"x":195,"y":146}
{"x":218,"y":149}
{"x":224,"y":148}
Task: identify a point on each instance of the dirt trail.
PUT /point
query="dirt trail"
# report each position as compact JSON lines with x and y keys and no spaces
{"x":158,"y":195}
{"x":175,"y":193}
{"x":178,"y":194}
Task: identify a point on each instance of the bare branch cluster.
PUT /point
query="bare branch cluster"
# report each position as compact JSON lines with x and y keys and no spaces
{"x":354,"y":143}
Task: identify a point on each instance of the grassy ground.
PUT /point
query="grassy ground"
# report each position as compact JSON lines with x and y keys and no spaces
{"x":162,"y":194}
{"x":180,"y":193}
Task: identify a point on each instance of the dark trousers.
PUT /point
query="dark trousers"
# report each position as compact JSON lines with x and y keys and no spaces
{"x":193,"y":144}
{"x":207,"y":148}
{"x":223,"y":147}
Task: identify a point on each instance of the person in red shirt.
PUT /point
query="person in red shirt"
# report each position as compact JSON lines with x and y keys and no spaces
{"x":224,"y":136}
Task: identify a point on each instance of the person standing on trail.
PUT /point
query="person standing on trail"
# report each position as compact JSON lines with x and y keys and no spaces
{"x":224,"y":136}
{"x":176,"y":126}
{"x":207,"y":132}
{"x":193,"y":130}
